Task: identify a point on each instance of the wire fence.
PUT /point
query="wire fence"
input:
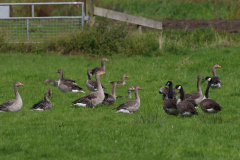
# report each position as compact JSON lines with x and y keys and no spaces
{"x":38,"y":29}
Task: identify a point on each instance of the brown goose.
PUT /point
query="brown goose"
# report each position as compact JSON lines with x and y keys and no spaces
{"x":120,"y":82}
{"x":209,"y":105}
{"x":164,"y":91}
{"x":110,"y":99}
{"x":91,"y":84}
{"x":66,"y":86}
{"x":215,"y":80}
{"x":185,"y":107}
{"x":50,"y":92}
{"x":196,"y":96}
{"x":130,"y":106}
{"x":13,"y":105}
{"x":130,"y":89}
{"x":55,"y":83}
{"x":92,"y":99}
{"x":170,"y":104}
{"x":43,"y":105}
{"x":102,"y":68}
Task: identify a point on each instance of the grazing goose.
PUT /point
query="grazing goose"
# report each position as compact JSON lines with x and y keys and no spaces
{"x":110,"y":99}
{"x":164,"y":91}
{"x":196,"y":96}
{"x":209,"y":105}
{"x":13,"y":105}
{"x":170,"y":104}
{"x":130,"y":106}
{"x":122,"y":82}
{"x":185,"y":107}
{"x":215,"y":80}
{"x":66,"y":86}
{"x":43,"y":105}
{"x":55,"y":83}
{"x":91,"y":84}
{"x":92,"y":99}
{"x":101,"y":69}
{"x":130,"y":89}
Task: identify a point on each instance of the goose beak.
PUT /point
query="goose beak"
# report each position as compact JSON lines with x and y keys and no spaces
{"x":21,"y":84}
{"x":218,"y":66}
{"x":45,"y":84}
{"x":127,"y":76}
{"x":133,"y":88}
{"x":107,"y":60}
{"x":102,"y":73}
{"x":56,"y":71}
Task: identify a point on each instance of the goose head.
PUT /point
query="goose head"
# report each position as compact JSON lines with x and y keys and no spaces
{"x":168,"y":83}
{"x":138,"y":88}
{"x":131,"y":88}
{"x":99,"y":73}
{"x":216,"y":66}
{"x":104,"y":59}
{"x":18,"y":84}
{"x":178,"y":87}
{"x":59,"y":71}
{"x":207,"y":79}
{"x":50,"y":92}
{"x":125,"y":76}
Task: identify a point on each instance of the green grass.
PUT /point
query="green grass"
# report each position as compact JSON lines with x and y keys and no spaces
{"x":68,"y":132}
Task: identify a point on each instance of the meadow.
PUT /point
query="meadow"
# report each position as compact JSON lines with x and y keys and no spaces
{"x":69,"y":132}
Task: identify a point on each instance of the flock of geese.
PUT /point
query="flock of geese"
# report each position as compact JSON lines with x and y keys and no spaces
{"x":98,"y":96}
{"x":186,"y":105}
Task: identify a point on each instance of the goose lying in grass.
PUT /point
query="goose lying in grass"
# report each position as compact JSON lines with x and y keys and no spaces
{"x":130,"y":89}
{"x":110,"y":98}
{"x":55,"y":83}
{"x":185,"y":108}
{"x":215,"y":80}
{"x":92,"y":84}
{"x":196,"y":96}
{"x":92,"y":99}
{"x":101,"y":69}
{"x":13,"y":105}
{"x":130,"y":106}
{"x":120,"y":82}
{"x":66,"y":86}
{"x":43,"y":105}
{"x":209,"y":105}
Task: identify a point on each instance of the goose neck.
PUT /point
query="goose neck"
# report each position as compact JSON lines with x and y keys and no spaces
{"x":114,"y":90}
{"x":17,"y":95}
{"x":207,"y":90}
{"x":214,"y":72}
{"x":170,"y":92}
{"x":99,"y":86}
{"x":136,"y":94}
{"x":129,"y":94}
{"x":182,"y":94}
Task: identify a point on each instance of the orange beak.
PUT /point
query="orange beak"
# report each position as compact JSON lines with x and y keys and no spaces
{"x":107,"y":60}
{"x":21,"y":84}
{"x":102,"y":73}
{"x":218,"y":66}
{"x":127,"y":76}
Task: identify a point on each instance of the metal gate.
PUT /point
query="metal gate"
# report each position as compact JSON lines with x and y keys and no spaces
{"x":38,"y":29}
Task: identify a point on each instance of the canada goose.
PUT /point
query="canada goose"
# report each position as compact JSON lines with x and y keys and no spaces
{"x":92,"y":99}
{"x":13,"y":105}
{"x":66,"y":86}
{"x":102,"y":68}
{"x":43,"y":105}
{"x":209,"y":105}
{"x":91,"y":84}
{"x":130,"y":106}
{"x":170,"y":104}
{"x":55,"y":83}
{"x":120,"y":82}
{"x":110,"y":99}
{"x":164,"y":92}
{"x":130,"y":89}
{"x":196,"y":96}
{"x":215,"y":80}
{"x":185,"y":107}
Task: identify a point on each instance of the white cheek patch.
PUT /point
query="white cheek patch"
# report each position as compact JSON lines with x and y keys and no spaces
{"x":209,"y":79}
{"x":179,"y":87}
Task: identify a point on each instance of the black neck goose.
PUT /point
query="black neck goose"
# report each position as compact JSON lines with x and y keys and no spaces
{"x":185,"y":107}
{"x":110,"y":99}
{"x":170,"y":104}
{"x":122,"y":82}
{"x":209,"y":105}
{"x":164,"y":92}
{"x":66,"y":86}
{"x":92,"y":99}
{"x":91,"y":84}
{"x":130,"y":106}
{"x":130,"y":89}
{"x":13,"y":105}
{"x":43,"y":105}
{"x":55,"y":83}
{"x":196,"y":96}
{"x":215,"y":80}
{"x":101,"y":69}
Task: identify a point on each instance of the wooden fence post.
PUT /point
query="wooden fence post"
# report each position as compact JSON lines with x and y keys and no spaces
{"x":89,"y":11}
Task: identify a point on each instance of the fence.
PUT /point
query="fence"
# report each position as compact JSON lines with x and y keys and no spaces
{"x":37,"y":29}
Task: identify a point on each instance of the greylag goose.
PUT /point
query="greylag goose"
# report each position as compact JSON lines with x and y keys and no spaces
{"x":110,"y":99}
{"x":130,"y":89}
{"x":102,"y":68}
{"x":55,"y":83}
{"x":13,"y":105}
{"x":196,"y":96}
{"x":130,"y":106}
{"x":92,"y":99}
{"x":66,"y":86}
{"x":43,"y":105}
{"x":209,"y":105}
{"x":170,"y":104}
{"x":164,"y":92}
{"x":185,"y":108}
{"x":215,"y":80}
{"x":120,"y":82}
{"x":91,"y":84}
{"x":50,"y":92}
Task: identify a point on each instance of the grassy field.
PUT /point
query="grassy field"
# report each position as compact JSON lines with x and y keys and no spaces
{"x":68,"y":132}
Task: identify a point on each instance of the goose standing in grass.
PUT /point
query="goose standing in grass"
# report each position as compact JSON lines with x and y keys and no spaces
{"x":43,"y":105}
{"x":196,"y":96}
{"x":130,"y":89}
{"x":92,"y":99}
{"x":101,"y":69}
{"x":164,"y":92}
{"x":55,"y":83}
{"x":215,"y":80}
{"x":185,"y":108}
{"x":13,"y":105}
{"x":110,"y":98}
{"x":120,"y":82}
{"x":66,"y":86}
{"x":130,"y":106}
{"x":209,"y":105}
{"x":170,"y":104}
{"x":92,"y":84}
